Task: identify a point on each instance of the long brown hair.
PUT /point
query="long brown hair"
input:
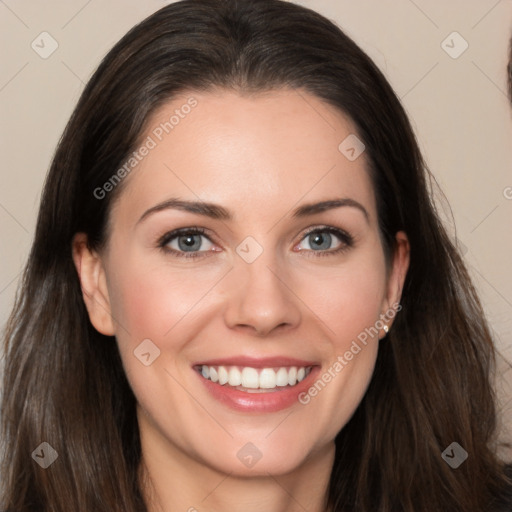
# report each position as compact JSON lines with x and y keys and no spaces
{"x":64,"y":383}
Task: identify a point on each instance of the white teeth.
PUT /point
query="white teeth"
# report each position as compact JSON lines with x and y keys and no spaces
{"x":282,"y":377}
{"x":235,"y":377}
{"x":250,"y":378}
{"x":223,"y":375}
{"x":268,"y":378}
{"x":292,"y":376}
{"x":254,"y":379}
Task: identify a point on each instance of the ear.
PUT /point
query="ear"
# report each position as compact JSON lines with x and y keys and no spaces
{"x":94,"y":284}
{"x":396,"y":279}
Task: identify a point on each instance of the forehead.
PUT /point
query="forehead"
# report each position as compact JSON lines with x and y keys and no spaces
{"x":257,"y":154}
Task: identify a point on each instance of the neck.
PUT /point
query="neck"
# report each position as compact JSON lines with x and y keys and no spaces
{"x":172,"y":480}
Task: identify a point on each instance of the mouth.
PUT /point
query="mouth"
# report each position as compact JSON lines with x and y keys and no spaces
{"x":255,"y":380}
{"x":257,"y":385}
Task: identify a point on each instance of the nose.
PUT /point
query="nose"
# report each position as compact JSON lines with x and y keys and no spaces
{"x":260,"y":298}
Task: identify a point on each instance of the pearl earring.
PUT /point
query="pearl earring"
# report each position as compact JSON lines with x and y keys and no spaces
{"x":386,"y":328}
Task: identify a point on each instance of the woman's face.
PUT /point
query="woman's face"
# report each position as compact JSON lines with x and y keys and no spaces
{"x":277,"y":275}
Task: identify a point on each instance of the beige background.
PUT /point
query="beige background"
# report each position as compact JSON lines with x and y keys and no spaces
{"x":458,"y":107}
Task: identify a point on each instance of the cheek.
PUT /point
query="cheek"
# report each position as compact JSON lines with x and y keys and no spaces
{"x":360,"y":302}
{"x":349,"y":303}
{"x":149,"y":299}
{"x":348,"y":299}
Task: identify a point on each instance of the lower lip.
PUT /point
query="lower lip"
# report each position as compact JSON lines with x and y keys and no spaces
{"x":271,"y":401}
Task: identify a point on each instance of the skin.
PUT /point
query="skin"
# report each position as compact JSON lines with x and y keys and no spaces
{"x":259,"y":156}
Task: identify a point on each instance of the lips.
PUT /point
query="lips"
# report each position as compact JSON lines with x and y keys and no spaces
{"x":256,"y":385}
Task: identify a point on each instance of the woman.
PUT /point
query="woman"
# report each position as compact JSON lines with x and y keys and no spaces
{"x":240,"y":296}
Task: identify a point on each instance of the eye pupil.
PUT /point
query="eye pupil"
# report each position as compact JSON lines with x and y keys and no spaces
{"x":322,"y":241}
{"x":189,"y":242}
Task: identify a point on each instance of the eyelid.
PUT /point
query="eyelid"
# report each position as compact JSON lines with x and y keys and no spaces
{"x":169,"y":236}
{"x":327,"y":228}
{"x":346,"y":239}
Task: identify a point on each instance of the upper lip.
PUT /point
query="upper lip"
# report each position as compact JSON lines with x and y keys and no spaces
{"x":257,"y":362}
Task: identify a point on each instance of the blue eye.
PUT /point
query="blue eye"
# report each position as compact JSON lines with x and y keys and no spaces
{"x":326,"y":240}
{"x":186,"y":240}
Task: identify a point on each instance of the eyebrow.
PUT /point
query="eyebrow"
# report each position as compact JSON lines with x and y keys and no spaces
{"x":215,"y":211}
{"x":313,"y":208}
{"x":211,"y":210}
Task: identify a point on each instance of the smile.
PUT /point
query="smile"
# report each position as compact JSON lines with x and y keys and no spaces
{"x":256,"y":385}
{"x":255,"y":380}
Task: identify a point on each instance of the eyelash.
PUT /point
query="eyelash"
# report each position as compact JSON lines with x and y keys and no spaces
{"x":346,"y":240}
{"x":171,"y":235}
